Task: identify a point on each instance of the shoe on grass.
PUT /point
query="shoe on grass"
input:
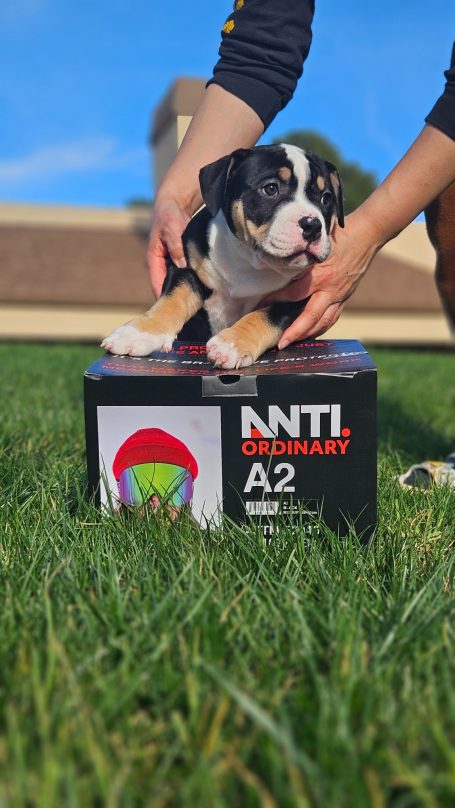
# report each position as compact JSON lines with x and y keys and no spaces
{"x":430,"y":472}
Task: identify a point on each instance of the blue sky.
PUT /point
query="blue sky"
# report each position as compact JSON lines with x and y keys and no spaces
{"x":78,"y":82}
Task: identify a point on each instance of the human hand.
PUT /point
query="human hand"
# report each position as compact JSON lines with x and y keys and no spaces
{"x":330,"y":284}
{"x":168,"y":223}
{"x":179,"y":195}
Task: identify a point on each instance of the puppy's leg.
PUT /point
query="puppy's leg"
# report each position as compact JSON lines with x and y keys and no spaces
{"x":242,"y":343}
{"x":157,"y":329}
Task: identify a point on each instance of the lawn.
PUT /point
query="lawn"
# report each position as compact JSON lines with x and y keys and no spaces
{"x":150,"y":664}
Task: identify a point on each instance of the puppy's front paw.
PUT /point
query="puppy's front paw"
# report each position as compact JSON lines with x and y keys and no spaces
{"x":224,"y":353}
{"x":131,"y":341}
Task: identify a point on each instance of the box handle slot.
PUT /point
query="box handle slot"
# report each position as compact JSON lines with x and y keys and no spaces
{"x":229,"y":385}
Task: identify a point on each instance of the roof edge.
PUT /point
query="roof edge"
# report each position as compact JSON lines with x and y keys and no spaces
{"x":38,"y":215}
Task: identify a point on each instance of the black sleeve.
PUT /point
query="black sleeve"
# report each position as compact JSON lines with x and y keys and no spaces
{"x":442,"y":116}
{"x":264,"y":45}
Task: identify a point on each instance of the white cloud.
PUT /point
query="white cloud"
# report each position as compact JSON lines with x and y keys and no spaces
{"x":91,"y":154}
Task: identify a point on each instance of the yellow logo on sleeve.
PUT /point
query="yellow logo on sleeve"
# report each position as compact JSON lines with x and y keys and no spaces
{"x":228,"y":27}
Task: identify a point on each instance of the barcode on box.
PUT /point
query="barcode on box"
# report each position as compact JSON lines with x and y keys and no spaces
{"x":259,"y":508}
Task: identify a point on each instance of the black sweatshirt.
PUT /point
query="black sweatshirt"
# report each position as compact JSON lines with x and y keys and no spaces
{"x":264,"y":45}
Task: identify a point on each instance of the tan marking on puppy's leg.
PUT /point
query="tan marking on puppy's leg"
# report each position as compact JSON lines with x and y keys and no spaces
{"x":284,"y":173}
{"x":194,"y":255}
{"x":320,"y":182}
{"x":171,"y":311}
{"x":156,"y":329}
{"x":205,"y":273}
{"x":241,"y":344}
{"x":200,"y":264}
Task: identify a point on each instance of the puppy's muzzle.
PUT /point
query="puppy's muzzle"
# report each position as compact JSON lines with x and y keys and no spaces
{"x":311,"y":228}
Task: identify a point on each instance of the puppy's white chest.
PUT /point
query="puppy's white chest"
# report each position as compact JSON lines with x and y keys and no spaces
{"x":223,"y":310}
{"x":238,"y":279}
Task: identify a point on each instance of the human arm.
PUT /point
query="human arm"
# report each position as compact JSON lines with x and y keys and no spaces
{"x":264,"y":45}
{"x":426,"y":170}
{"x":208,"y":138}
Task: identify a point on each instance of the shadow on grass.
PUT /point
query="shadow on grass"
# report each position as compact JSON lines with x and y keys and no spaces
{"x":413,"y":439}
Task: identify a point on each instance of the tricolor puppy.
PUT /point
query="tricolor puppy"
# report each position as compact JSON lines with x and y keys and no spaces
{"x":269,"y":214}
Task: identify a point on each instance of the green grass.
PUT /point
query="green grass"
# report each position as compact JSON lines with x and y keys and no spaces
{"x":148,"y":664}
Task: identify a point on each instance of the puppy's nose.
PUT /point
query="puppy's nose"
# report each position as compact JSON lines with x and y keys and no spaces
{"x":311,"y":228}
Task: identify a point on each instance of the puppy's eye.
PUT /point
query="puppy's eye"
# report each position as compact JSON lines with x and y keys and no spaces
{"x":326,"y":198}
{"x":271,"y":189}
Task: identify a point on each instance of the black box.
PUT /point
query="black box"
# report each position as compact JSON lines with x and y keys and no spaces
{"x":297,"y":428}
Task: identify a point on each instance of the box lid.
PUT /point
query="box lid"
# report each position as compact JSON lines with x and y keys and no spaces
{"x":334,"y":357}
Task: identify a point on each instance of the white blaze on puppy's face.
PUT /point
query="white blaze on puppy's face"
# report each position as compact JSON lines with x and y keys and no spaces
{"x":285,"y":238}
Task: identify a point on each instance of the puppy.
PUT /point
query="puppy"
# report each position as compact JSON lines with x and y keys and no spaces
{"x":269,"y":214}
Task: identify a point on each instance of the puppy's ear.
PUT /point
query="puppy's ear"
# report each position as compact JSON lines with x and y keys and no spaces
{"x":337,"y":187}
{"x":214,"y":178}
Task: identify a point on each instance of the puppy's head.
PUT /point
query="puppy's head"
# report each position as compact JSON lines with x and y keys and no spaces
{"x":279,"y":200}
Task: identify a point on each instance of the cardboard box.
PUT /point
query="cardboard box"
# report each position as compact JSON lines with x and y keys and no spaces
{"x":296,"y":429}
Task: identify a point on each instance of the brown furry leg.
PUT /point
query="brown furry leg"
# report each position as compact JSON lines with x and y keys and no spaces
{"x":158,"y":327}
{"x":242,"y":343}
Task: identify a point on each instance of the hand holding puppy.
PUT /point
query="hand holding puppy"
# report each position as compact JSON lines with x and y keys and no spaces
{"x":329,"y":285}
{"x":425,"y":171}
{"x":179,"y":195}
{"x":168,"y":223}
